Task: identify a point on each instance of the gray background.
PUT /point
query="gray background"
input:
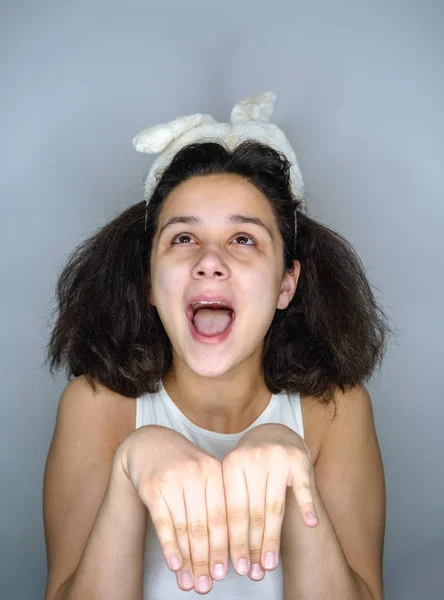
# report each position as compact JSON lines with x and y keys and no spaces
{"x":360,"y":94}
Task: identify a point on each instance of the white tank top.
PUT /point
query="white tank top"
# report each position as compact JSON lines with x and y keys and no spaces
{"x":159,"y":582}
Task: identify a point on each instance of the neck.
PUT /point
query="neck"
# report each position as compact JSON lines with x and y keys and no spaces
{"x":227,"y":404}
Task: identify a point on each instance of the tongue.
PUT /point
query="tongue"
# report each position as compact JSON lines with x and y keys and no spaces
{"x":211,"y":322}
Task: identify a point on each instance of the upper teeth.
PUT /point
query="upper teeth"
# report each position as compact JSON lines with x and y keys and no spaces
{"x":208,"y":302}
{"x":199,"y":303}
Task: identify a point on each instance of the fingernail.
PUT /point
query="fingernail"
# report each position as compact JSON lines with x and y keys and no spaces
{"x":203,"y":583}
{"x":312,"y":516}
{"x":174,"y":562}
{"x":242,"y":566}
{"x":256,"y":571}
{"x":187,"y":580}
{"x":270,"y":560}
{"x":218,"y":571}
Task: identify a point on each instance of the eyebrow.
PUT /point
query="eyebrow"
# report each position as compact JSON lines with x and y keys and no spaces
{"x":233,"y":218}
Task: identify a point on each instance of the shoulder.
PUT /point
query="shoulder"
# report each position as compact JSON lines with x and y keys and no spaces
{"x":110,"y":414}
{"x":349,"y":408}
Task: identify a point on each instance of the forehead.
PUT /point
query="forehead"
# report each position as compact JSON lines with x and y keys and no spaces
{"x":216,"y":195}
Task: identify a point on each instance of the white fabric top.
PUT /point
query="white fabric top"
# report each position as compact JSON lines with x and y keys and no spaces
{"x":159,"y":582}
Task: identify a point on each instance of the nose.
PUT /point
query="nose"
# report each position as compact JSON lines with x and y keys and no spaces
{"x":210,"y":264}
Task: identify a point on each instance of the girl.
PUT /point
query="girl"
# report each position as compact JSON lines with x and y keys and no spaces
{"x":216,"y":426}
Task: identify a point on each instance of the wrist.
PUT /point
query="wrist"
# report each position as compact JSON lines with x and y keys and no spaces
{"x":120,"y":481}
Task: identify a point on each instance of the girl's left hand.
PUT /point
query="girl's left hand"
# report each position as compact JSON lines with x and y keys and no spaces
{"x":257,"y":472}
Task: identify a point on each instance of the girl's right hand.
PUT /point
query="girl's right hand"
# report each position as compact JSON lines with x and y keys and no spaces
{"x":182,"y":487}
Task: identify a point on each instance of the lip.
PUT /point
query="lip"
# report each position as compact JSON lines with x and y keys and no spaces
{"x":204,"y":339}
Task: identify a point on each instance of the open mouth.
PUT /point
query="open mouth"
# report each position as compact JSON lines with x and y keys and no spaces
{"x":210,"y":322}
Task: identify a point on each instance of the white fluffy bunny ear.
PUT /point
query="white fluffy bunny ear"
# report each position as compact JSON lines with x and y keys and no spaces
{"x":257,"y":107}
{"x":156,"y":138}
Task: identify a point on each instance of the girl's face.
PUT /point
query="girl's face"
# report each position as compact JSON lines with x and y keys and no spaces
{"x":218,"y":239}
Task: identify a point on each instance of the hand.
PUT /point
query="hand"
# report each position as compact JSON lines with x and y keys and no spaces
{"x":182,"y":487}
{"x":266,"y":461}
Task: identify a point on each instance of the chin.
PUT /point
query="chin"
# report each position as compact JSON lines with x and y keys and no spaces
{"x":210,"y":366}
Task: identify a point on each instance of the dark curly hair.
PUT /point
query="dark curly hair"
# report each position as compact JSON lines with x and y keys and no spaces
{"x":333,"y":333}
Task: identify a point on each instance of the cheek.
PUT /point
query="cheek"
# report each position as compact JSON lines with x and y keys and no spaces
{"x":262,"y":291}
{"x":167,"y":284}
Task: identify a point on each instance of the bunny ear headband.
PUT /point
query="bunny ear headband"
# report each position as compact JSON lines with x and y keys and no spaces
{"x":249,"y":120}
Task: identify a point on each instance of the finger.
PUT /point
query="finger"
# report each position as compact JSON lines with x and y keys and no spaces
{"x":173,"y":496}
{"x":217,"y":524}
{"x":301,"y":484}
{"x":236,"y":495}
{"x":257,"y":485}
{"x":197,"y":521}
{"x":164,"y":526}
{"x":274,"y":516}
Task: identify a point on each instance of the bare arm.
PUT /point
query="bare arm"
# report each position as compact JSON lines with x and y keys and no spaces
{"x":342,"y":557}
{"x":95,"y":523}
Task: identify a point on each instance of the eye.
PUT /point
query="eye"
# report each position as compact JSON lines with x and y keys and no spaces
{"x":179,"y":237}
{"x":243,"y":236}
